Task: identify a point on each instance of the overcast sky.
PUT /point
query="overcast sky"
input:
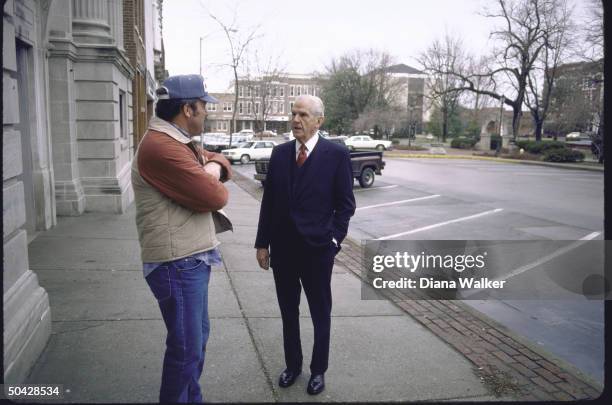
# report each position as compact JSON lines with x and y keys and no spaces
{"x":306,"y":35}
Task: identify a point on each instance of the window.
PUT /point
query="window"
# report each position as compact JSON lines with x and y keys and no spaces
{"x":273,"y":91}
{"x":291,"y":91}
{"x":269,"y":145}
{"x":249,"y":91}
{"x":314,"y":91}
{"x":274,"y":107}
{"x":225,"y":125}
{"x":211,"y":107}
{"x":299,"y":90}
{"x":122,"y":114}
{"x":260,"y":145}
{"x":256,"y":91}
{"x":281,"y":107}
{"x":256,"y":108}
{"x":240,"y":107}
{"x":282,"y":91}
{"x":240,"y":91}
{"x":227,"y":107}
{"x":306,"y":89}
{"x":249,"y":107}
{"x":290,"y":106}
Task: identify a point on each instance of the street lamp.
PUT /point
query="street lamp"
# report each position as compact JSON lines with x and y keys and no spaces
{"x":501,"y":117}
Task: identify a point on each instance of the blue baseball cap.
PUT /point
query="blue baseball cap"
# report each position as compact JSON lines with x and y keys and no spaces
{"x":184,"y":87}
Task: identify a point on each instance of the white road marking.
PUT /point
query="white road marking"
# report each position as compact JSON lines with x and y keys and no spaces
{"x":538,"y":262}
{"x":425,"y":228}
{"x":375,"y":188}
{"x":396,"y":202}
{"x":590,"y":236}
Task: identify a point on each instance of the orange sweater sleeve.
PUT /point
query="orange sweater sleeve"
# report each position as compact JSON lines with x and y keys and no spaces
{"x":173,"y":169}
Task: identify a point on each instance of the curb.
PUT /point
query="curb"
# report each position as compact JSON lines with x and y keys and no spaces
{"x":506,"y":363}
{"x":494,"y":159}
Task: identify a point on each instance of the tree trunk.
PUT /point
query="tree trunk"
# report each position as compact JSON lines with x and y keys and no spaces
{"x":538,"y":130}
{"x":516,"y":120}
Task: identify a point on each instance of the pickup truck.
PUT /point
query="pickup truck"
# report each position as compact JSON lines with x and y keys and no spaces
{"x":365,"y":166}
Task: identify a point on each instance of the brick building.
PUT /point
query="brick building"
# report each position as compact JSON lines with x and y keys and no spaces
{"x":263,"y":103}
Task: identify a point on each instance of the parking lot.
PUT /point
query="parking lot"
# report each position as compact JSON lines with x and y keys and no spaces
{"x":439,"y":199}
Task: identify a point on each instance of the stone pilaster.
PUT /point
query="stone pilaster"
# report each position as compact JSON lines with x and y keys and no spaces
{"x":91,"y":23}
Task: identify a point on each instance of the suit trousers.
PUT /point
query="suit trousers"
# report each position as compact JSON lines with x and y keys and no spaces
{"x":311,"y":268}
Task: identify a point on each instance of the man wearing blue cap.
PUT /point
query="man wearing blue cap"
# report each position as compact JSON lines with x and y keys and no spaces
{"x":179,"y":192}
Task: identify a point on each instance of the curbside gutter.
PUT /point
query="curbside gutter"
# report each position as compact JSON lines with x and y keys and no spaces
{"x":575,"y":166}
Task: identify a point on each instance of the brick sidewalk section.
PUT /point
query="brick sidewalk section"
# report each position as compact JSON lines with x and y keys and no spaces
{"x":506,"y":365}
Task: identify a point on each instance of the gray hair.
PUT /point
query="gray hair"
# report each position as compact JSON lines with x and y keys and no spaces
{"x":318,"y":109}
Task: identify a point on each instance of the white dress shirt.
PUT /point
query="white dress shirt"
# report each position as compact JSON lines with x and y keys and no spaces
{"x":310,"y":144}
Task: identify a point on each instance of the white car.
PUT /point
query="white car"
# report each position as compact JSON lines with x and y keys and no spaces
{"x":248,"y":151}
{"x":366,"y":142}
{"x":573,"y":136}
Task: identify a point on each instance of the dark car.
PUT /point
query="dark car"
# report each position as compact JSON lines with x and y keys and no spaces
{"x":365,"y":165}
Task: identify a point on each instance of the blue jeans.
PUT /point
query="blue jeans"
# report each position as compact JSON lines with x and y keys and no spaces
{"x":181,"y":290}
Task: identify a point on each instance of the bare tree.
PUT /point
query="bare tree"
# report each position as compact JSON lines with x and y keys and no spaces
{"x":593,"y":31}
{"x":261,"y":86}
{"x":520,"y":38}
{"x":238,"y":43}
{"x":439,"y":60}
{"x":542,"y":78}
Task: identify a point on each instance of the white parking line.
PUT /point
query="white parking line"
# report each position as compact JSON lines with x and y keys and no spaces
{"x":452,"y":221}
{"x":538,"y":262}
{"x":396,"y":202}
{"x":375,"y":188}
{"x":590,"y":236}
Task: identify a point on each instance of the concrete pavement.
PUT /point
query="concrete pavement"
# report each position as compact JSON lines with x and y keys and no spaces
{"x":107,"y":339}
{"x":108,"y":336}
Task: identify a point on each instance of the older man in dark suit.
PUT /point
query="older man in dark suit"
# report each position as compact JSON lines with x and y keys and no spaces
{"x":307,"y":203}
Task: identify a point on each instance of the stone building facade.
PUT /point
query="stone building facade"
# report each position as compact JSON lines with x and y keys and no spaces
{"x":410,"y":96}
{"x":67,"y":142}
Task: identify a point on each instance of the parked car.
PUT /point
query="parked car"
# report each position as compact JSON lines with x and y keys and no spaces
{"x":266,"y":133}
{"x":248,"y":151}
{"x":365,"y":165}
{"x":366,"y":142}
{"x":572,"y":136}
{"x":338,"y":139}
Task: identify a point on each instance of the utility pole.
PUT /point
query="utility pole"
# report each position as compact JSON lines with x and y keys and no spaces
{"x":201,"y":38}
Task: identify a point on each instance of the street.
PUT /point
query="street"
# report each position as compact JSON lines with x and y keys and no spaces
{"x":439,"y":199}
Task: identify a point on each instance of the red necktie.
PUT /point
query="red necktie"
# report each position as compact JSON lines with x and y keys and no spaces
{"x":301,"y":156}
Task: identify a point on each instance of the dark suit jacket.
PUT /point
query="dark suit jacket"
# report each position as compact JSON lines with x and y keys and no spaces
{"x":319,"y":202}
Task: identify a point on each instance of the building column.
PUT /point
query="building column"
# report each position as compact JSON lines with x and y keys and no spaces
{"x":69,"y":195}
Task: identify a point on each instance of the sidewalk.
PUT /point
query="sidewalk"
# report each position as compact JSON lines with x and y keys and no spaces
{"x":107,"y":337}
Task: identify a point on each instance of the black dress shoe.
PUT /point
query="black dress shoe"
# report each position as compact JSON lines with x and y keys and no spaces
{"x":288,"y":377}
{"x":316,"y":384}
